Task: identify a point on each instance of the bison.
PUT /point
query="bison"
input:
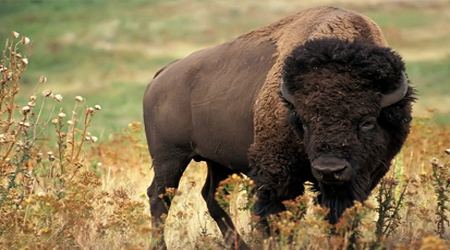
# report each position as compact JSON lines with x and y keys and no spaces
{"x":317,"y":96}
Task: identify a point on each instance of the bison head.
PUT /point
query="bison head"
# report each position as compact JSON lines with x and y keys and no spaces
{"x":350,"y":106}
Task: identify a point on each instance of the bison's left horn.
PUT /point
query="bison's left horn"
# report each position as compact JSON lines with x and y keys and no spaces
{"x":285,"y":92}
{"x":398,"y":94}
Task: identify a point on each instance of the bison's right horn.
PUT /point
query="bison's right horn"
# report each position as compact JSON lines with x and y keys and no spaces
{"x":398,"y":94}
{"x":285,"y":92}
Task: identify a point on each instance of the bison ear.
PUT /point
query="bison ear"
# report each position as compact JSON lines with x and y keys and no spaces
{"x":285,"y":92}
{"x":398,"y":94}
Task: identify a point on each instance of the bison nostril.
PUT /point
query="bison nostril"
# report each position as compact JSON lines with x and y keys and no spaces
{"x":338,"y":173}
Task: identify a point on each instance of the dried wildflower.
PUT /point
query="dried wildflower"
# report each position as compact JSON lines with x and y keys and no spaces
{"x":94,"y":138}
{"x":70,"y":122}
{"x":447,"y":151}
{"x":26,"y":110}
{"x":87,"y":138}
{"x":90,"y":110}
{"x":42,"y":79}
{"x":79,"y":98}
{"x":51,"y":157}
{"x":47,"y":93}
{"x":62,"y":115}
{"x":24,"y":61}
{"x":98,"y":107}
{"x":24,"y":124}
{"x":58,"y":97}
{"x":32,"y":104}
{"x":55,"y":121}
{"x":39,"y":157}
{"x":33,"y":98}
{"x":15,"y":34}
{"x":25,"y":40}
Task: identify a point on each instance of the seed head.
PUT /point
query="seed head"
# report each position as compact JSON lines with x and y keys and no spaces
{"x":47,"y":93}
{"x":24,"y":124}
{"x":447,"y":151}
{"x":90,"y":110}
{"x":26,"y":110}
{"x":15,"y":34}
{"x":61,"y":115}
{"x":70,"y":122}
{"x":94,"y":139}
{"x":58,"y":97}
{"x":55,"y":121}
{"x":25,"y":40}
{"x":33,"y":98}
{"x":24,"y":61}
{"x":98,"y":107}
{"x":42,"y":79}
{"x":79,"y":98}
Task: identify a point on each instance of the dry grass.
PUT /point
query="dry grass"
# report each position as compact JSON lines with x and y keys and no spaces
{"x":61,"y":189}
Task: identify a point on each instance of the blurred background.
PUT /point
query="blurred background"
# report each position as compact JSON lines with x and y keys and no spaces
{"x":109,"y":50}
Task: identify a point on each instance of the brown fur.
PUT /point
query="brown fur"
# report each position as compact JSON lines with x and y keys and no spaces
{"x":217,"y":103}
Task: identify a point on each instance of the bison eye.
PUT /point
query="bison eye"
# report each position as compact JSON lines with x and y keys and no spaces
{"x":367,"y":123}
{"x":296,"y":121}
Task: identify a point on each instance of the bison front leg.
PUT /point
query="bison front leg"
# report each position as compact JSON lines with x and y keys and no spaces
{"x":279,"y":172}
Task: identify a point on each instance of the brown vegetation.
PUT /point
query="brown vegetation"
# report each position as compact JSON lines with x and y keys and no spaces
{"x":59,"y":188}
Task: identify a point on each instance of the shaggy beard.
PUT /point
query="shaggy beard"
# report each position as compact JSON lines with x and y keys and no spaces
{"x":339,"y":198}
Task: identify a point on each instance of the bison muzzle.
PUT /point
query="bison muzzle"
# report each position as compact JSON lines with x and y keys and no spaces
{"x":317,"y":96}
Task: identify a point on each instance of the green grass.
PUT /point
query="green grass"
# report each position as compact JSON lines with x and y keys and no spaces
{"x":109,"y":50}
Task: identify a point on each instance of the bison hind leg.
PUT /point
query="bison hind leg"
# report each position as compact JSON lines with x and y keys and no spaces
{"x":168,"y":170}
{"x":217,"y":173}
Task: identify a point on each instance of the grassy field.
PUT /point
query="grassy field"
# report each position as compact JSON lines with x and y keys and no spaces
{"x":111,"y":49}
{"x":107,"y":51}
